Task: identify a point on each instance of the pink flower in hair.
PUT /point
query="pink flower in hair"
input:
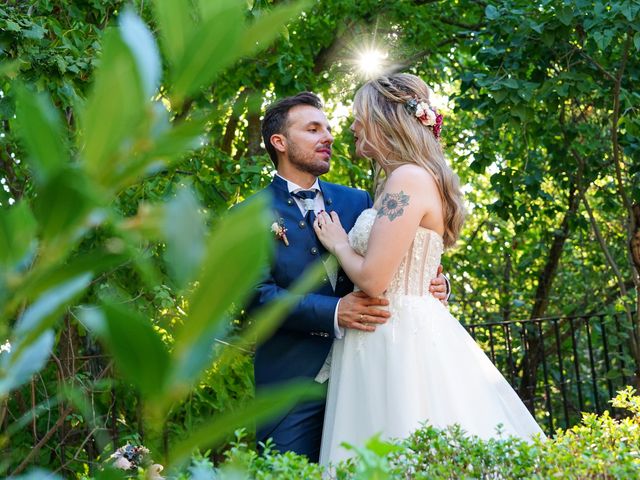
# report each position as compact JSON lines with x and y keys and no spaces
{"x":437,"y":126}
{"x":426,"y":114}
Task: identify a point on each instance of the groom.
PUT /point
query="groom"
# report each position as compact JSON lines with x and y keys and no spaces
{"x":298,"y":138}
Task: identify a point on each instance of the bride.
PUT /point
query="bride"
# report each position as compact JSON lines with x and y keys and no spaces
{"x":421,"y":366}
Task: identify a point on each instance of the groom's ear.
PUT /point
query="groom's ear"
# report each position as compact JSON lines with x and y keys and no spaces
{"x":279,"y":142}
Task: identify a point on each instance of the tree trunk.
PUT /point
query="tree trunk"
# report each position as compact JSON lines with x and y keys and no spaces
{"x":535,"y":350}
{"x":232,"y":123}
{"x":254,"y":132}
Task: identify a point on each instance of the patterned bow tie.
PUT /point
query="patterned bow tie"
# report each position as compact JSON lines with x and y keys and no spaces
{"x":308,"y":198}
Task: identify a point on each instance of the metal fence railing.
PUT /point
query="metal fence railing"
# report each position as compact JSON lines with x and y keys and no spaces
{"x":562,"y":366}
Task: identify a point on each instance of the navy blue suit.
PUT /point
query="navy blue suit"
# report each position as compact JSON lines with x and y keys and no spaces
{"x":301,"y":344}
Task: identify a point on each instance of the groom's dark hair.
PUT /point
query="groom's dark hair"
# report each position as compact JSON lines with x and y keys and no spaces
{"x":275,"y":118}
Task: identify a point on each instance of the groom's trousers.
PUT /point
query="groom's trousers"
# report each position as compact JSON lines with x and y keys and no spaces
{"x":300,"y":431}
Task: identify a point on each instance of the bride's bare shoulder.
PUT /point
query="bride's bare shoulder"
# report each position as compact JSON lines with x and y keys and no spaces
{"x":412,"y":176}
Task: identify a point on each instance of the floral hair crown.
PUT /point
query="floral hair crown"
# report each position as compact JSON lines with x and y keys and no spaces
{"x":427,"y":115}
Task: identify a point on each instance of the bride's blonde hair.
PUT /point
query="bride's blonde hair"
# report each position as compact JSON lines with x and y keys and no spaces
{"x":394,"y":136}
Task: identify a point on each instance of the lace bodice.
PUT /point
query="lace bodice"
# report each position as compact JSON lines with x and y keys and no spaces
{"x":419,"y":265}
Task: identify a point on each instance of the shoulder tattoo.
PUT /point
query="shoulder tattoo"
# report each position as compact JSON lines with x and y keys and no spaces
{"x":393,"y":205}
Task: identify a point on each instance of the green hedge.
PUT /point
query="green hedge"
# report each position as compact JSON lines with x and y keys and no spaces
{"x":599,"y":447}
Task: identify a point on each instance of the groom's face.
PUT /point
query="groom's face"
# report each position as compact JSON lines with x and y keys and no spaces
{"x":308,"y":140}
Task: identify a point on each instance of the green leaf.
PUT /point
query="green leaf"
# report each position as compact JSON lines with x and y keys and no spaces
{"x":143,"y":46}
{"x":44,"y":312}
{"x":491,"y":12}
{"x":176,"y":26}
{"x":18,"y":366}
{"x":114,"y":109}
{"x":12,"y":26}
{"x":9,"y":68}
{"x":565,"y":15}
{"x":266,"y":28}
{"x":35,"y":32}
{"x":629,"y":10}
{"x":209,"y":9}
{"x":499,"y":95}
{"x":598,"y":8}
{"x":511,"y":83}
{"x":181,"y":138}
{"x":636,"y":40}
{"x":267,"y":404}
{"x":40,"y":280}
{"x":141,"y":356}
{"x":603,"y":39}
{"x":170,"y":144}
{"x":211,"y":48}
{"x":17,"y":233}
{"x":237,"y":255}
{"x":38,"y":474}
{"x":536,"y":27}
{"x":613,"y":374}
{"x":41,"y":131}
{"x":110,"y":473}
{"x":184,"y":234}
{"x":380,"y":447}
{"x":548,"y":38}
{"x":62,"y":205}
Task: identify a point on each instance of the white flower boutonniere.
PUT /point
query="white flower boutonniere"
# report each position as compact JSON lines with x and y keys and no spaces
{"x":280,"y":232}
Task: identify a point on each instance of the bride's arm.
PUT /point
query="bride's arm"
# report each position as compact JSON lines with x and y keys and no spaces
{"x":409,"y":194}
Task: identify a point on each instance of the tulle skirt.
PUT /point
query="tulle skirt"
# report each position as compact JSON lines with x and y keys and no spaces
{"x":421,"y":366}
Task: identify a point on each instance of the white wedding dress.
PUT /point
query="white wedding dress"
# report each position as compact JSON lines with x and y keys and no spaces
{"x":421,"y":366}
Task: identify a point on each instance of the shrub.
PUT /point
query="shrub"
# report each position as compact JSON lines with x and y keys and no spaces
{"x":599,"y":447}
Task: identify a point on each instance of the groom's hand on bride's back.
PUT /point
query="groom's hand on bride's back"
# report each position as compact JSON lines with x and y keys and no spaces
{"x":359,"y":311}
{"x":439,"y":287}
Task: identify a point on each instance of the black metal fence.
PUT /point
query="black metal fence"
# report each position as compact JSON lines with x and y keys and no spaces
{"x":562,"y":366}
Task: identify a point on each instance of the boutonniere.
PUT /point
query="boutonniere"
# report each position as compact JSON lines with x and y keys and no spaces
{"x":280,"y":232}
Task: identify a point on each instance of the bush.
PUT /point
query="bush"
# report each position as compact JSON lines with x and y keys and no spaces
{"x":599,"y":447}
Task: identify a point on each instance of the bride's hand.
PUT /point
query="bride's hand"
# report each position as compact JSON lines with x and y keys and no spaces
{"x":329,"y":231}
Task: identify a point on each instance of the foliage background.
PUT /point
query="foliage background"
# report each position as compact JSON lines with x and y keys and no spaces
{"x":541,"y":125}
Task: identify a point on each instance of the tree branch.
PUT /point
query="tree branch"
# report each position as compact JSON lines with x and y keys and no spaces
{"x":608,"y":74}
{"x":614,"y":127}
{"x":603,"y":245}
{"x":468,"y":26}
{"x":323,"y":58}
{"x":42,"y":441}
{"x":614,"y":266}
{"x":406,"y":63}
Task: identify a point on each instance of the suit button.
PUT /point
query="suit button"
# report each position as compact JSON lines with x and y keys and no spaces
{"x":341,"y":279}
{"x":326,"y":335}
{"x":314,"y":251}
{"x":325,"y":279}
{"x":290,"y":201}
{"x":302,"y":224}
{"x":328,"y":201}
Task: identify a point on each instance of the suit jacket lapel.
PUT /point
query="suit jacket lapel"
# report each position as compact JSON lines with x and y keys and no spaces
{"x":287,"y":208}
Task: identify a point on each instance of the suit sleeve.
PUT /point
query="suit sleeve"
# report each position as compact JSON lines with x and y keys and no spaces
{"x":313,"y":313}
